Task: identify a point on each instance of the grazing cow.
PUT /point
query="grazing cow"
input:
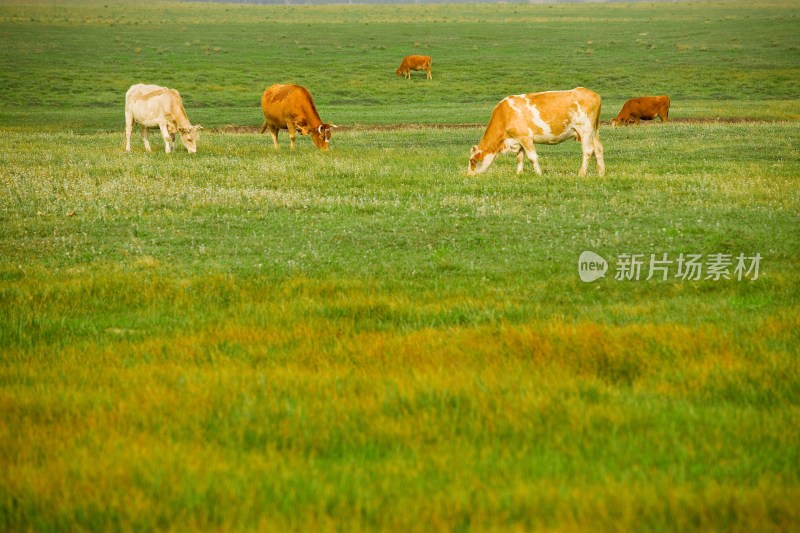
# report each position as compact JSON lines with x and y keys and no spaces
{"x":290,"y":107}
{"x":414,"y":63}
{"x":643,"y":108}
{"x":151,"y":106}
{"x":551,"y":117}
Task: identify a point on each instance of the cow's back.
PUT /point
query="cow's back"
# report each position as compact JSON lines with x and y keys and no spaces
{"x":646,"y":107}
{"x":556,"y":106}
{"x":142,"y":91}
{"x":548,"y":117}
{"x":284,"y":102}
{"x":416,"y":62}
{"x":150,"y":103}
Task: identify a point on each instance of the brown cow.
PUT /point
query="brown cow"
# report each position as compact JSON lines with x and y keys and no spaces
{"x":414,"y":63}
{"x":290,"y":107}
{"x":643,"y":108}
{"x":551,"y":117}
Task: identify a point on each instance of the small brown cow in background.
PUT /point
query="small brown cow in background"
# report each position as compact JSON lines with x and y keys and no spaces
{"x":643,"y":108}
{"x":414,"y":63}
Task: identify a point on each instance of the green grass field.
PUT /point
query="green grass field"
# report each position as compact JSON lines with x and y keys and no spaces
{"x":368,"y":339}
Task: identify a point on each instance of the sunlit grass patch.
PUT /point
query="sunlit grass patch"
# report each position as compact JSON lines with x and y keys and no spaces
{"x":345,"y":425}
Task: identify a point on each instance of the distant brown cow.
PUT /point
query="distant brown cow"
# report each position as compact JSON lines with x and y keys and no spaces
{"x":414,"y":63}
{"x":290,"y":107}
{"x":643,"y":108}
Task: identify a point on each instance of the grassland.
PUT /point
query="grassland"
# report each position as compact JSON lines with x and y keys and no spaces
{"x":76,"y":59}
{"x":369,"y":339}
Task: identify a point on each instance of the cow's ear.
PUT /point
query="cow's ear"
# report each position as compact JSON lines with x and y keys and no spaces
{"x":199,"y":127}
{"x":302,"y":125}
{"x":474,"y":150}
{"x":334,"y":126}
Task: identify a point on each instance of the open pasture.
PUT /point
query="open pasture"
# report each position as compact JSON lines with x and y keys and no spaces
{"x":369,"y":339}
{"x":76,"y":60}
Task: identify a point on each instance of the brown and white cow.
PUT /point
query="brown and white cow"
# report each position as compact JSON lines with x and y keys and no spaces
{"x":643,"y":108}
{"x":551,"y":117}
{"x":151,"y":106}
{"x":414,"y":63}
{"x":290,"y":107}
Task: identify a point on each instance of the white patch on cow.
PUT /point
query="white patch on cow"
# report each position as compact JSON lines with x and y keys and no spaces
{"x":511,"y":145}
{"x":482,"y":165}
{"x":579,"y":115}
{"x":549,"y":92}
{"x":537,"y":120}
{"x":510,"y":100}
{"x":580,"y":122}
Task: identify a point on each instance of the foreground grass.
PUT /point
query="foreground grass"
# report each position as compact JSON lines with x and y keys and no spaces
{"x":370,"y":339}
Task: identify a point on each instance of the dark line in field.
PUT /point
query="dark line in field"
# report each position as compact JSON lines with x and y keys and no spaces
{"x":359,"y":127}
{"x":232,"y":128}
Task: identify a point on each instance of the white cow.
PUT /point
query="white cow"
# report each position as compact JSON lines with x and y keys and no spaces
{"x":151,"y":106}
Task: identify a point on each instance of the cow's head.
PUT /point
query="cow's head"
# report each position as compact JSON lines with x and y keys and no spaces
{"x":399,"y":72}
{"x":479,"y":161}
{"x":189,"y":137}
{"x":321,"y":135}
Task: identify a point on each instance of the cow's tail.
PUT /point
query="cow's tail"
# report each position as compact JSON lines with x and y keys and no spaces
{"x":128,"y":98}
{"x":597,"y":119}
{"x":265,"y":126}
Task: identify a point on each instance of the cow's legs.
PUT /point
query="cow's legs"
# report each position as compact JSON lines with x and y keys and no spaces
{"x":274,"y":132}
{"x":590,"y":144}
{"x":587,"y":147}
{"x":128,"y":130}
{"x":144,"y":138}
{"x":530,"y":151}
{"x":598,"y":153}
{"x":428,"y":70}
{"x":292,"y":134}
{"x":167,"y":137}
